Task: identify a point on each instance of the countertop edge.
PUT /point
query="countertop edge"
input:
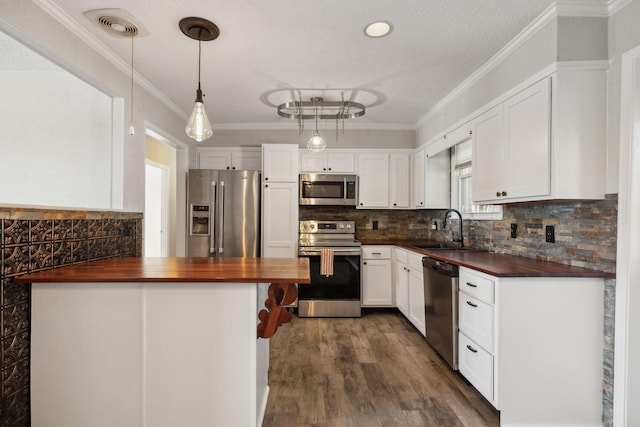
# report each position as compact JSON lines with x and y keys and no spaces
{"x":454,"y":257}
{"x":177,"y":270}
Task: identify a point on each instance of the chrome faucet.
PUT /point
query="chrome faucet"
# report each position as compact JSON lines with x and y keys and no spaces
{"x":444,"y":225}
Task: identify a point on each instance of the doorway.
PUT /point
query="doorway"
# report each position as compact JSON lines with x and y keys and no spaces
{"x":156,"y":209}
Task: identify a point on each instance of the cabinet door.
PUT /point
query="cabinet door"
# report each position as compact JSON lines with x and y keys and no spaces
{"x":312,"y":162}
{"x":376,"y":282}
{"x":280,"y":163}
{"x":416,"y":300}
{"x":341,"y":162}
{"x":399,"y":174}
{"x":527,"y":145}
{"x":488,"y":158}
{"x":214,"y":159}
{"x":438,"y":180}
{"x":419,"y":178}
{"x":246,"y":160}
{"x":402,"y":288}
{"x":279,"y":219}
{"x":373,"y":171}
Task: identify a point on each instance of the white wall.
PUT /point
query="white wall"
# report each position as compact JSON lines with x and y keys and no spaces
{"x":350,"y":139}
{"x":55,"y":137}
{"x":28,"y":23}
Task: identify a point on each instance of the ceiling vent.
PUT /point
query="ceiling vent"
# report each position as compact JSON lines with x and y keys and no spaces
{"x":117,"y":22}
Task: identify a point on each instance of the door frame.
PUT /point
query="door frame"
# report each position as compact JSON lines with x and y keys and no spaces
{"x":628,"y":250}
{"x":164,"y":210}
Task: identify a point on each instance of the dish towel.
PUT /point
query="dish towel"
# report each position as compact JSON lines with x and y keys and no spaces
{"x":326,"y":262}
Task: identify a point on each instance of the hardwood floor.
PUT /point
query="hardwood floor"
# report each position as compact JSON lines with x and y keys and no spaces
{"x":372,"y":371}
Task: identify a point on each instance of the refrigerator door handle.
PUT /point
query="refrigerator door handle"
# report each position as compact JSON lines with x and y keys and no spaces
{"x":212,"y":219}
{"x":221,"y":217}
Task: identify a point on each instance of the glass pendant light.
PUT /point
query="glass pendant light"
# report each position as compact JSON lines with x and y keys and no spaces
{"x":199,"y":126}
{"x":316,"y":143}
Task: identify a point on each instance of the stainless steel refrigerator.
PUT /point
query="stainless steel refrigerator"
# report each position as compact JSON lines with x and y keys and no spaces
{"x":223,"y":213}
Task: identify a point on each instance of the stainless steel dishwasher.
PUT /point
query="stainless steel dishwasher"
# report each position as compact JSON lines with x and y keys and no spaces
{"x":441,"y":308}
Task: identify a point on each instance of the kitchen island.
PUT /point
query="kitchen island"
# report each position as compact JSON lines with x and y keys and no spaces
{"x":153,"y":342}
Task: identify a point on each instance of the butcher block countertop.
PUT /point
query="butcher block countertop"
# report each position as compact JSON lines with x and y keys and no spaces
{"x":499,"y":265}
{"x":228,"y":270}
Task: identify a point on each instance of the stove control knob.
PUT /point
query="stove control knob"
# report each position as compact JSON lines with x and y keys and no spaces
{"x":313,"y":226}
{"x":305,"y":226}
{"x":341,"y":225}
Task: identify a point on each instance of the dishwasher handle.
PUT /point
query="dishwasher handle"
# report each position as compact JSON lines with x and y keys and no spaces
{"x":440,"y":267}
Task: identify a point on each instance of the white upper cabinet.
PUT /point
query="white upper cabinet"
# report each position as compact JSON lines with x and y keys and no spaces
{"x":373,"y":180}
{"x":512,"y":145}
{"x":431,"y":180}
{"x":280,"y":162}
{"x":249,"y":158}
{"x":419,"y":179}
{"x":328,"y":161}
{"x":545,"y":142}
{"x":399,"y":177}
{"x":438,"y":180}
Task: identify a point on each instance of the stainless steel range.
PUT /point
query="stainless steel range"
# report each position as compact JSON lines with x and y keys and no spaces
{"x":336,"y":294}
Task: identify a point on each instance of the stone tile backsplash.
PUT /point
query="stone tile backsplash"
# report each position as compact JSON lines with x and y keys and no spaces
{"x":34,"y":240}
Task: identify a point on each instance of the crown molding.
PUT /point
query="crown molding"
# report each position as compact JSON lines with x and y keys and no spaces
{"x":544,"y":18}
{"x":326,"y":128}
{"x":76,"y":29}
{"x":616,"y":5}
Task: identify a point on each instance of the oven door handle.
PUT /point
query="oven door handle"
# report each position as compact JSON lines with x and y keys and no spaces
{"x":336,"y":251}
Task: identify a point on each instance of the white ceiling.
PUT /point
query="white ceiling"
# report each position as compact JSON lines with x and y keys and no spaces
{"x":268,"y":49}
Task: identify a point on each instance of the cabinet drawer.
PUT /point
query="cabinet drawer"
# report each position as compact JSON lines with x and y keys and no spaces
{"x":376,"y":252}
{"x":477,"y":285}
{"x":476,"y":365}
{"x":476,"y":320}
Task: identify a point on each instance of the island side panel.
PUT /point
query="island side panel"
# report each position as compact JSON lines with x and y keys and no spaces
{"x":262,"y":362}
{"x":200,"y":354}
{"x":146,"y":354}
{"x":86,"y":355}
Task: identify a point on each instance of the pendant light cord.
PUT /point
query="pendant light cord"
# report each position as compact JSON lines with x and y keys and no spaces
{"x":199,"y":54}
{"x":132,"y":80}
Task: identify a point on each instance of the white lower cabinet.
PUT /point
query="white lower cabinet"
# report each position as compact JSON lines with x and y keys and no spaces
{"x":377,"y":283}
{"x":533,"y":346}
{"x":416,"y":293}
{"x":409,"y":287}
{"x":401,"y":279}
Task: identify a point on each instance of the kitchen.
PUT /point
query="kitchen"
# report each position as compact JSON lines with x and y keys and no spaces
{"x":593,"y":221}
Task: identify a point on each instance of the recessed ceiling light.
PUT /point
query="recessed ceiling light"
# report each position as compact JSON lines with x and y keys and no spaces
{"x":378,"y":29}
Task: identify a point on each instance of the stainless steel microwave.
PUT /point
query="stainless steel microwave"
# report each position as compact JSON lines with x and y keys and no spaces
{"x":328,"y":189}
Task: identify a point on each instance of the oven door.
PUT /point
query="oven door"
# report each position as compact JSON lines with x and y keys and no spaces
{"x":337,"y":295}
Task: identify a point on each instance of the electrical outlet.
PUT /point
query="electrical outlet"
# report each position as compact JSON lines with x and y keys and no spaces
{"x":514,"y":231}
{"x":374,"y":224}
{"x":550,"y":234}
{"x":434,"y":226}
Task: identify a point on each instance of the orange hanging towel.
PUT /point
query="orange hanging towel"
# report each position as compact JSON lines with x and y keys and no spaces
{"x":326,"y":261}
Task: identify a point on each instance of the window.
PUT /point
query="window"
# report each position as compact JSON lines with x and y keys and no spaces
{"x":462,"y":186}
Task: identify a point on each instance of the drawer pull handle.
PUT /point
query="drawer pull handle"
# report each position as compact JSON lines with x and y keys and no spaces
{"x":472,"y":285}
{"x":472,"y":304}
{"x":471,"y":349}
{"x":376,"y":253}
